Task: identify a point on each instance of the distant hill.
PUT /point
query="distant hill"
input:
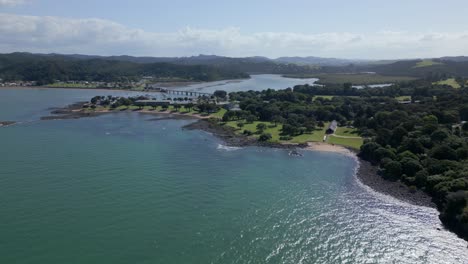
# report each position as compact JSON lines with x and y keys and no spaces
{"x":47,"y":67}
{"x":251,"y":65}
{"x":422,"y":68}
{"x":456,"y":59}
{"x":320,"y":61}
{"x":51,"y":67}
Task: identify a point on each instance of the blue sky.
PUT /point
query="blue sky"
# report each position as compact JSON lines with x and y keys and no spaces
{"x":349,"y":29}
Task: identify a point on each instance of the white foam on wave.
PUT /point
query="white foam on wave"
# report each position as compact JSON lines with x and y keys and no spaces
{"x":227,"y":148}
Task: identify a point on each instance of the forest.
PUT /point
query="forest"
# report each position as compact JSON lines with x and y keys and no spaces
{"x":48,"y":69}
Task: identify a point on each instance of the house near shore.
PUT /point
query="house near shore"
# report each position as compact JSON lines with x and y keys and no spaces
{"x":332,"y":127}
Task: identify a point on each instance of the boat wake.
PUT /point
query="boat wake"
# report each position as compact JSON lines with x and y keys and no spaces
{"x":227,"y":148}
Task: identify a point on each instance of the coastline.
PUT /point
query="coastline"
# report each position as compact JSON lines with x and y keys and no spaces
{"x":367,"y":174}
{"x":167,"y":85}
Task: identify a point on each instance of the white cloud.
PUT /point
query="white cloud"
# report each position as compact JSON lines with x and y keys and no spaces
{"x":98,"y":36}
{"x":11,"y":2}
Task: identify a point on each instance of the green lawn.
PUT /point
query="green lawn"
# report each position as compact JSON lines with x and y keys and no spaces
{"x":349,"y":142}
{"x":220,"y":113}
{"x":451,"y":82}
{"x":403,"y":98}
{"x":329,"y":97}
{"x":252,"y":127}
{"x":316,"y":136}
{"x":426,"y":63}
{"x":345,"y":131}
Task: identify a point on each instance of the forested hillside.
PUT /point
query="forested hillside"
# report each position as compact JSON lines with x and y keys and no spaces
{"x":47,"y":69}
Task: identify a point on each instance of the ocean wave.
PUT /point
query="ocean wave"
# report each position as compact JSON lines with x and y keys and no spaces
{"x":227,"y":148}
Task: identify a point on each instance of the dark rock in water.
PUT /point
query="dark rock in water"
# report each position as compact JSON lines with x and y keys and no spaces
{"x":294,"y":153}
{"x":7,"y":123}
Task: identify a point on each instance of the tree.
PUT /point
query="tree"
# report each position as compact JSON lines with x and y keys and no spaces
{"x":265,"y":137}
{"x":250,"y":119}
{"x":465,"y":126}
{"x":261,"y":127}
{"x":393,"y":170}
{"x":443,"y":152}
{"x":439,"y":135}
{"x":220,"y":94}
{"x":240,"y":125}
{"x":189,"y":106}
{"x":277,"y":120}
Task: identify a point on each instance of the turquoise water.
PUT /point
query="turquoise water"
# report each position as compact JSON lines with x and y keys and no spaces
{"x":123,"y":188}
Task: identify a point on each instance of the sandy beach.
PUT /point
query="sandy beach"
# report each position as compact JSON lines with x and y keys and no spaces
{"x":326,"y":147}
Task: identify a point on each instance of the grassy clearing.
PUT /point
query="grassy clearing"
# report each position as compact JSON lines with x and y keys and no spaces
{"x":252,"y":127}
{"x":450,"y":82}
{"x":349,"y":142}
{"x":316,"y":136}
{"x":360,"y":79}
{"x":346,"y":131}
{"x":426,"y":63}
{"x":220,"y":113}
{"x":329,"y":97}
{"x":403,"y":98}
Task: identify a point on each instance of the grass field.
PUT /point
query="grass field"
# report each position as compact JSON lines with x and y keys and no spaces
{"x":360,"y":79}
{"x":346,"y":131}
{"x":451,"y":82}
{"x":329,"y":97}
{"x":426,"y":63}
{"x":316,"y":136}
{"x":349,"y":142}
{"x":403,"y":98}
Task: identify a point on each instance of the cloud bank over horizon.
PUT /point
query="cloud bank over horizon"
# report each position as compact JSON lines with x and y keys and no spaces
{"x":12,"y":2}
{"x":46,"y":34}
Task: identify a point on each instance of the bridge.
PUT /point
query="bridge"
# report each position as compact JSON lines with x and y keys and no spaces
{"x":186,"y":93}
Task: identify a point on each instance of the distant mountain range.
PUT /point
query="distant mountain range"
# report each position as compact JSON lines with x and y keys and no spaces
{"x":28,"y":66}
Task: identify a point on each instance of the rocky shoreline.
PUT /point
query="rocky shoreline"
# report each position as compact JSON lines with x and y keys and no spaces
{"x":228,"y":135}
{"x":366,"y":174}
{"x":70,"y":112}
{"x":369,"y":176}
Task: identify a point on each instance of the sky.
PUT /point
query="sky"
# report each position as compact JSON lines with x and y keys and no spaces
{"x":358,"y":29}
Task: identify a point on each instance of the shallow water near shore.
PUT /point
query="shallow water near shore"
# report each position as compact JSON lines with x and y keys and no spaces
{"x":121,"y":189}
